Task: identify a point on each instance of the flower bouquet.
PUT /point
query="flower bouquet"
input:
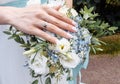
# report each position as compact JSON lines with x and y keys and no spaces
{"x":52,"y":61}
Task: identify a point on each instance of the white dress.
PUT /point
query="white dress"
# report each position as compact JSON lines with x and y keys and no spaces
{"x":12,"y":69}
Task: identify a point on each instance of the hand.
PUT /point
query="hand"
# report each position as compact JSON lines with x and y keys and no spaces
{"x":69,"y":3}
{"x":36,"y":18}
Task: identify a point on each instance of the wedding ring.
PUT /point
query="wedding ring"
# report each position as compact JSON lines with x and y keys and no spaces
{"x":44,"y":26}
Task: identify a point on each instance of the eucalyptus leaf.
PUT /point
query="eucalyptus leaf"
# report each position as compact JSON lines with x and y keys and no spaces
{"x":7,"y":32}
{"x":35,"y":82}
{"x":93,"y":49}
{"x":48,"y":81}
{"x":22,"y":41}
{"x":99,"y":49}
{"x":113,"y":29}
{"x":11,"y":37}
{"x":17,"y":38}
{"x":10,"y":28}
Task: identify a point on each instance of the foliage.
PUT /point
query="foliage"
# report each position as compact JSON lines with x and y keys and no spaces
{"x":55,"y":60}
{"x":113,"y":45}
{"x":60,"y":58}
{"x":108,"y":10}
{"x":96,"y":27}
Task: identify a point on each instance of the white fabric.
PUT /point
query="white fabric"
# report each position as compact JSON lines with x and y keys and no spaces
{"x":12,"y":70}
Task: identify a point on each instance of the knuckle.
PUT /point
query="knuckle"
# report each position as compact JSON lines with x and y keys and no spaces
{"x":31,"y":29}
{"x":52,"y":29}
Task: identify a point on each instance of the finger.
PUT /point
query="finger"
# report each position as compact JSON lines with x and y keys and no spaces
{"x":60,"y":16}
{"x":57,"y":7}
{"x":59,"y":23}
{"x":42,"y":34}
{"x":52,"y":28}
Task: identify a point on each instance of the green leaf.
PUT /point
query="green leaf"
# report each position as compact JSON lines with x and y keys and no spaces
{"x":35,"y":82}
{"x":69,"y":78}
{"x":93,"y":49}
{"x":22,"y":41}
{"x":91,"y":9}
{"x":99,"y":49}
{"x":48,"y":81}
{"x":7,"y":32}
{"x":113,"y":29}
{"x":11,"y":37}
{"x":10,"y":28}
{"x":17,"y":38}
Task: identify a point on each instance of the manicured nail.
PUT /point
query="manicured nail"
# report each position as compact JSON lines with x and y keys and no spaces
{"x":74,"y":28}
{"x":69,"y":35}
{"x":74,"y":23}
{"x":56,"y":41}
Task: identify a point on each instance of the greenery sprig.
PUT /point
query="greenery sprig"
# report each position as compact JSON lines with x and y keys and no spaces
{"x":96,"y":27}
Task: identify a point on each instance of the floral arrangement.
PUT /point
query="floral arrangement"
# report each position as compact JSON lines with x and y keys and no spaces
{"x":54,"y":60}
{"x":57,"y":59}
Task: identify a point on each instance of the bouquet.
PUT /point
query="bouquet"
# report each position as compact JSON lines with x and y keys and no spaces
{"x":55,"y":60}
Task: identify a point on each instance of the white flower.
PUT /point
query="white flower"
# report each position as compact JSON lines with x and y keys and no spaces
{"x":63,"y":46}
{"x":70,"y":63}
{"x":64,"y":10}
{"x":29,"y":52}
{"x":82,"y":54}
{"x":39,"y":65}
{"x":51,"y":47}
{"x":74,"y":12}
{"x":31,"y":2}
{"x":85,"y":32}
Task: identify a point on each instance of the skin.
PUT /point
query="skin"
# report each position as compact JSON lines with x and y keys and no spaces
{"x":69,"y":3}
{"x":31,"y":19}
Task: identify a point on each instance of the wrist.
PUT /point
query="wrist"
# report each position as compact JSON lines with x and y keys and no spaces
{"x":6,"y":15}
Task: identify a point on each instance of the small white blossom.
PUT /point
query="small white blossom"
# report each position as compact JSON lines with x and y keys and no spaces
{"x":64,"y":10}
{"x":39,"y":65}
{"x":85,"y":32}
{"x":74,"y":12}
{"x":29,"y":52}
{"x":70,"y":63}
{"x":82,"y":54}
{"x":63,"y":46}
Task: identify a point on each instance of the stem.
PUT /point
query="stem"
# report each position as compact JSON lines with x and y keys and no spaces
{"x":41,"y":80}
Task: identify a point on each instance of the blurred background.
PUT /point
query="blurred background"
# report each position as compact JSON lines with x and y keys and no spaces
{"x":104,"y":66}
{"x":109,"y":12}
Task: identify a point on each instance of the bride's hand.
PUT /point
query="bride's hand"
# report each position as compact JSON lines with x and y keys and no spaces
{"x":37,"y":18}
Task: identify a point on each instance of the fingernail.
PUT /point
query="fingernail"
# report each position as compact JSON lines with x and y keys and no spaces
{"x":69,"y":35}
{"x":74,"y":28}
{"x":74,"y":23}
{"x":56,"y":41}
